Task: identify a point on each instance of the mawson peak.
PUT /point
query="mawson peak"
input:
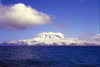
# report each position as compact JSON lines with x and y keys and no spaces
{"x":50,"y":35}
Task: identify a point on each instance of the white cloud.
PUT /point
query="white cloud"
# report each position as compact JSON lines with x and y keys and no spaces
{"x":19,"y":16}
{"x":92,"y":40}
{"x":95,"y":39}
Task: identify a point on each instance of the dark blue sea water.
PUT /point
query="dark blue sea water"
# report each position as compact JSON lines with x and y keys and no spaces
{"x":49,"y":56}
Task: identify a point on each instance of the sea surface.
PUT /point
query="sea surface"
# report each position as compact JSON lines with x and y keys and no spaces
{"x":49,"y":56}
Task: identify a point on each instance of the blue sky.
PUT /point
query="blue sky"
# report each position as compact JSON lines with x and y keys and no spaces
{"x":71,"y":17}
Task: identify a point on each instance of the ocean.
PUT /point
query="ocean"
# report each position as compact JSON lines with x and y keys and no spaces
{"x":49,"y":56}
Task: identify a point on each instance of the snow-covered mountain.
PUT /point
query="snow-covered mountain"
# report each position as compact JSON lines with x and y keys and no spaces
{"x":47,"y":38}
{"x":53,"y":38}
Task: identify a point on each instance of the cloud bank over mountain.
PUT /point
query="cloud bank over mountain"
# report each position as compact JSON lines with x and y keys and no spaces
{"x":20,"y":16}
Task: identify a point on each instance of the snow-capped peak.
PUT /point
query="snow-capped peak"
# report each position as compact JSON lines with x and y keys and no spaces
{"x":46,"y":38}
{"x":50,"y":35}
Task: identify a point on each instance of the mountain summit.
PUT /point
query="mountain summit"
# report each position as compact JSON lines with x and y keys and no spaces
{"x":50,"y":35}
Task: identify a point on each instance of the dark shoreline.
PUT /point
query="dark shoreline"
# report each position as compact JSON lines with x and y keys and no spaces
{"x":48,"y":46}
